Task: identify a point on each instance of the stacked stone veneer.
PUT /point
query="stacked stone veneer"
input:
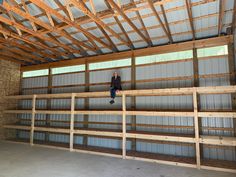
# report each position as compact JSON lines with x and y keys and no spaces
{"x":9,"y":85}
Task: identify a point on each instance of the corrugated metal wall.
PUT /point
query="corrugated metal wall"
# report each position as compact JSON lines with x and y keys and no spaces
{"x":177,"y":69}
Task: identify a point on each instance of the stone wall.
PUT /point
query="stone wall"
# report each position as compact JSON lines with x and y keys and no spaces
{"x":9,"y":85}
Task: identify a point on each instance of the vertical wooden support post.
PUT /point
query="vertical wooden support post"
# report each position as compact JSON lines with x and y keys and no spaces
{"x":196,"y":127}
{"x":32,"y":120}
{"x":86,"y":102}
{"x":133,"y":100}
{"x":231,"y":63}
{"x":196,"y":83}
{"x":72,"y":121}
{"x":123,"y":126}
{"x":49,"y":91}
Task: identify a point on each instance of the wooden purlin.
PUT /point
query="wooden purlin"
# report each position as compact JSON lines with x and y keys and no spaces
{"x":190,"y":16}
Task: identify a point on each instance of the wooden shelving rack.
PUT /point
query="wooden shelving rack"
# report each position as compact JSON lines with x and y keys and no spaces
{"x":197,"y":139}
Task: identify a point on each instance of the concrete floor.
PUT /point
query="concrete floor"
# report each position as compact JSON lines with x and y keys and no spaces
{"x":18,"y":160}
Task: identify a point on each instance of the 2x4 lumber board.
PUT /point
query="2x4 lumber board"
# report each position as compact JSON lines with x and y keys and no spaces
{"x":98,"y":133}
{"x":196,"y":129}
{"x":54,"y":130}
{"x":72,"y":116}
{"x":17,"y":127}
{"x":217,"y":114}
{"x":218,"y":140}
{"x":146,"y":92}
{"x":218,"y":169}
{"x":32,"y":120}
{"x":144,"y":113}
{"x":162,"y":162}
{"x":210,"y":42}
{"x":123,"y":126}
{"x":161,"y":137}
{"x":160,"y":113}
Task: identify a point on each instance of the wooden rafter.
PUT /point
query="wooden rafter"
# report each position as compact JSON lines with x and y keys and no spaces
{"x":23,"y":54}
{"x":86,"y":11}
{"x":34,"y":43}
{"x":2,"y":57}
{"x":143,"y":26}
{"x":27,"y":11}
{"x":121,"y":13}
{"x":151,"y":4}
{"x":26,"y":48}
{"x":121,"y":27}
{"x":13,"y":55}
{"x":166,"y":22}
{"x":101,"y":29}
{"x":190,"y":16}
{"x":35,"y":20}
{"x":91,"y":37}
{"x":221,"y":15}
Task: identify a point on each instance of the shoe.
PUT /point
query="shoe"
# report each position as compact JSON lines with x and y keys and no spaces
{"x":112,"y":101}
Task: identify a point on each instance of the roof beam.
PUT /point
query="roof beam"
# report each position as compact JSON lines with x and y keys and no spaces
{"x":131,"y":46}
{"x":190,"y":16}
{"x":11,"y":59}
{"x":48,"y":9}
{"x":166,"y":23}
{"x":22,"y":53}
{"x":151,"y":5}
{"x":23,"y":28}
{"x":221,"y":15}
{"x":121,"y":13}
{"x":25,"y":39}
{"x":80,"y":5}
{"x":144,"y":27}
{"x":101,"y":29}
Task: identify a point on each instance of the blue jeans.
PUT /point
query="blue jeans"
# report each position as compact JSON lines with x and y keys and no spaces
{"x":113,"y":92}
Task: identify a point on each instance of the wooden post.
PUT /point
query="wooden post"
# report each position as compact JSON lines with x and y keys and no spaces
{"x":32,"y":120}
{"x":133,"y":100}
{"x":196,"y":83}
{"x":86,"y":103}
{"x":49,"y":91}
{"x":231,"y":63}
{"x":123,"y":126}
{"x":72,"y":121}
{"x":196,"y":127}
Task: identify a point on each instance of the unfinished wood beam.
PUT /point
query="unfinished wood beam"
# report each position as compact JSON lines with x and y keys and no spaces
{"x":231,"y":64}
{"x":2,"y":57}
{"x":123,"y":126}
{"x":86,"y":11}
{"x":133,"y":100}
{"x":150,"y":2}
{"x":221,"y":15}
{"x":72,"y":115}
{"x":190,"y":16}
{"x":196,"y":128}
{"x":86,"y":101}
{"x":121,"y":13}
{"x":48,"y":9}
{"x":32,"y":120}
{"x":143,"y":26}
{"x":166,"y":23}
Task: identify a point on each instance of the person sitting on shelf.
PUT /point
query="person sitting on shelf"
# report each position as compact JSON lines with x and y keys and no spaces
{"x":115,"y":86}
